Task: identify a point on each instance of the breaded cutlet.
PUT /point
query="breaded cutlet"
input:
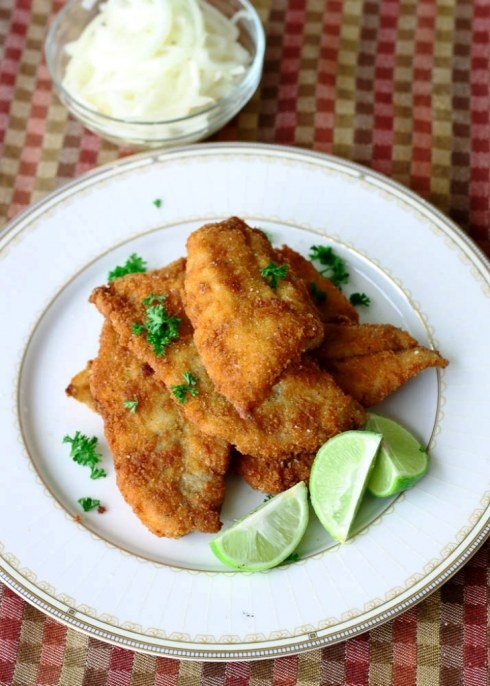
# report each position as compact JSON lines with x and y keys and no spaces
{"x":305,"y":406}
{"x":170,"y":473}
{"x":252,"y":316}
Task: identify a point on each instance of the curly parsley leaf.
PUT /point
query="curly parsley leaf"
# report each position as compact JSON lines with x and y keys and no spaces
{"x":317,"y":294}
{"x":189,"y":387}
{"x":83,"y":452}
{"x":333,"y":266}
{"x":137,"y":328}
{"x":161,"y":327}
{"x":133,"y":264}
{"x":131,"y":405}
{"x":88,"y":504}
{"x":273,"y":272}
{"x":153,"y":298}
{"x":359,"y":299}
{"x":97,"y":473}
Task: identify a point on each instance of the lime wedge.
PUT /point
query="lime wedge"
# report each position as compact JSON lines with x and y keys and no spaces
{"x":339,"y":477}
{"x":401,"y":460}
{"x":268,"y":535}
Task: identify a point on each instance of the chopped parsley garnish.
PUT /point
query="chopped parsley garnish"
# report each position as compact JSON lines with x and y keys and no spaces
{"x":161,"y":327}
{"x":273,"y":272}
{"x":133,"y":264}
{"x":318,"y":295}
{"x":157,"y":202}
{"x":360,"y":299}
{"x":137,"y":328}
{"x":333,"y":265}
{"x":153,"y":298}
{"x":131,"y":405}
{"x":294,"y":557}
{"x":190,"y":386}
{"x":88,"y":503}
{"x":97,"y":473}
{"x":83,"y":451}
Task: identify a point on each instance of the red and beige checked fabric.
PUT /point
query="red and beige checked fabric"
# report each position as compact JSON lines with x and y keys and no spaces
{"x":443,"y":641}
{"x":401,"y":86}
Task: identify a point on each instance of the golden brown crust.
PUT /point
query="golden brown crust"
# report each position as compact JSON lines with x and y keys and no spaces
{"x":349,"y":340}
{"x":369,"y":361}
{"x":170,"y":473}
{"x":274,"y":476}
{"x":304,"y":409}
{"x":318,"y":394}
{"x":79,"y":388}
{"x":371,"y":378}
{"x":245,"y":331}
{"x":335,"y":307}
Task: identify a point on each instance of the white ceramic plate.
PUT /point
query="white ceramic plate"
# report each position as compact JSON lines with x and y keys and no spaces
{"x":106,"y":574}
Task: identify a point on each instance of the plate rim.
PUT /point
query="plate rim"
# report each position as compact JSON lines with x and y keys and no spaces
{"x":88,"y":625}
{"x":469,"y":544}
{"x":150,"y":156}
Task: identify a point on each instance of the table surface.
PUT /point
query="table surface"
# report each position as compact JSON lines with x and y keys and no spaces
{"x":401,"y":86}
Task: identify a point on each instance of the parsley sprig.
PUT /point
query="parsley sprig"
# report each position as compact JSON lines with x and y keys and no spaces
{"x":333,"y":266}
{"x":189,"y":387}
{"x":83,"y":451}
{"x":131,"y":405}
{"x":152,"y":298}
{"x":317,"y":293}
{"x":88,"y":504}
{"x":359,"y":299}
{"x":133,"y":264}
{"x":273,"y":272}
{"x":161,"y":327}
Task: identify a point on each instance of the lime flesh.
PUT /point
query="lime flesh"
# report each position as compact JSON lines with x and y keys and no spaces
{"x":339,"y":477}
{"x":401,"y":460}
{"x":266,"y":536}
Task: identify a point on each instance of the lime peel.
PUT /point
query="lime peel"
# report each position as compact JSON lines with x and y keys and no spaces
{"x":401,"y":460}
{"x":266,"y":536}
{"x":339,"y":477}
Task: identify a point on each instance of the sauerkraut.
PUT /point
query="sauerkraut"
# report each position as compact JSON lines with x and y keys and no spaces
{"x":149,"y":60}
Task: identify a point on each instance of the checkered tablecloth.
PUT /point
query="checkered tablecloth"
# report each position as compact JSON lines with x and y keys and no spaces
{"x":401,"y":86}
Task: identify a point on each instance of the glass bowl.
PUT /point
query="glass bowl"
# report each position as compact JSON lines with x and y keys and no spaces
{"x":70,"y":23}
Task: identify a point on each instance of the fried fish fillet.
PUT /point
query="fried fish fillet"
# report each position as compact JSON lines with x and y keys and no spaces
{"x":305,"y":408}
{"x":332,"y":304}
{"x":170,"y":473}
{"x":369,"y":362}
{"x":247,"y":329}
{"x":372,"y":378}
{"x":276,"y":476}
{"x":349,"y":340}
{"x":79,"y":388}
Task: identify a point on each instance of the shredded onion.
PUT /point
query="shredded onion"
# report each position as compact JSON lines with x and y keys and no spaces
{"x":155,"y":59}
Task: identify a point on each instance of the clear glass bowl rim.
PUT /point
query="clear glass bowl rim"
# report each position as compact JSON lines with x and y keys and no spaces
{"x":217,"y":108}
